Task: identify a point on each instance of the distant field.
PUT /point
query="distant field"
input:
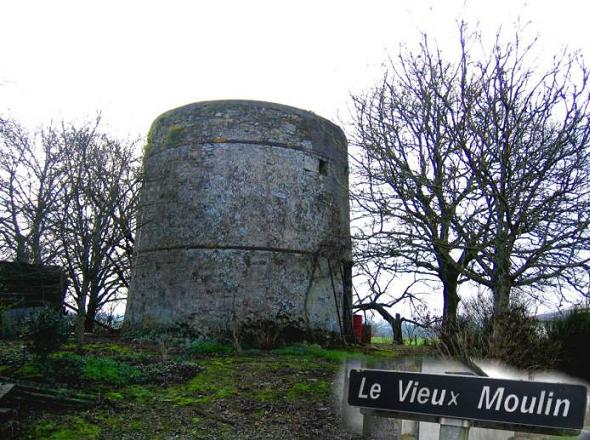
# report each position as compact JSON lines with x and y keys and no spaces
{"x":389,"y":340}
{"x":381,"y":339}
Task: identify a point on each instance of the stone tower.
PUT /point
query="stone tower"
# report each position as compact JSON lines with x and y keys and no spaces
{"x":244,"y":219}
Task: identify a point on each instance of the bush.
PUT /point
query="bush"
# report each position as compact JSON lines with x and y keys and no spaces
{"x":46,"y":331}
{"x":521,"y":340}
{"x":74,"y":369}
{"x":111,"y":372}
{"x":572,"y":334}
{"x":178,"y":334}
{"x":63,"y":367}
{"x":210,"y":346}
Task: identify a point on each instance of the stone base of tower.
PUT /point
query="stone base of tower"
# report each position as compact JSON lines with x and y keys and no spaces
{"x":221,"y":292}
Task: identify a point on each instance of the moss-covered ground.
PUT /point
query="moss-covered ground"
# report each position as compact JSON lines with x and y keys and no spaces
{"x":203,"y":392}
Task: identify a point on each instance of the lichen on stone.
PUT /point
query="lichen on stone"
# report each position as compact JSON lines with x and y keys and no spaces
{"x":174,"y":136}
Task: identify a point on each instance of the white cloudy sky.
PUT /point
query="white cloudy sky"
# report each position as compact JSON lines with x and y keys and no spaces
{"x":133,"y":60}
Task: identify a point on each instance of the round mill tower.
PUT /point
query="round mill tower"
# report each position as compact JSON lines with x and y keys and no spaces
{"x":244,"y":221}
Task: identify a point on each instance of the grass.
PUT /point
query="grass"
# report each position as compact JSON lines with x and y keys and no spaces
{"x":111,"y":372}
{"x":217,"y":381}
{"x":389,"y":340}
{"x":72,"y":368}
{"x":275,"y":391}
{"x":210,"y":346}
{"x":73,"y":428}
{"x":313,"y":351}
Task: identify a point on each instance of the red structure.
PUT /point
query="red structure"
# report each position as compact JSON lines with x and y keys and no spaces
{"x":357,"y":327}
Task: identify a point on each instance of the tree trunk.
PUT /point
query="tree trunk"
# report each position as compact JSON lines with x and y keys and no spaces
{"x":398,"y":337}
{"x":92,"y":308}
{"x":395,"y":323}
{"x":22,"y":254}
{"x":80,"y":326}
{"x":502,"y":285}
{"x":497,"y":340}
{"x":449,"y":320}
{"x":81,"y":318}
{"x":89,"y":318}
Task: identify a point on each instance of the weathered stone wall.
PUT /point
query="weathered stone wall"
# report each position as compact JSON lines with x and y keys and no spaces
{"x":244,"y":217}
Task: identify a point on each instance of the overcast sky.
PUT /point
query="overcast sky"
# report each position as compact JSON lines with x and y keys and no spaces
{"x":133,"y":60}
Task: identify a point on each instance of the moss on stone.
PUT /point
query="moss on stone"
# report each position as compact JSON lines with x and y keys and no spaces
{"x":147,"y":148}
{"x":174,"y":136}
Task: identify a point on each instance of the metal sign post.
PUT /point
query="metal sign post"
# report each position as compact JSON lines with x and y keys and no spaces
{"x":452,"y":429}
{"x":458,"y":402}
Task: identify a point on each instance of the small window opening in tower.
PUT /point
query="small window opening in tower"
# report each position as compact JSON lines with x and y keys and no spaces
{"x":323,"y":167}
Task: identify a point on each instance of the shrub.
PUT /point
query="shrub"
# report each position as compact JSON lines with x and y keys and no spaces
{"x":210,"y":346}
{"x":109,"y":371}
{"x":75,"y":369}
{"x":63,"y":367}
{"x":312,"y":351}
{"x":572,"y":334}
{"x":46,"y":331}
{"x":178,"y":334}
{"x":521,"y":342}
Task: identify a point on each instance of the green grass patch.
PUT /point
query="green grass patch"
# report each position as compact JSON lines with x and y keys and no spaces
{"x":388,"y":340}
{"x":72,"y":368}
{"x":66,"y":428}
{"x":209,"y":347}
{"x":218,"y":380}
{"x":381,"y":339}
{"x":30,"y":370}
{"x":111,"y":349}
{"x":114,"y":395}
{"x":266,"y":394}
{"x":317,"y":389}
{"x":108,"y":371}
{"x":139,"y":393}
{"x":313,"y":351}
{"x":417,"y":342}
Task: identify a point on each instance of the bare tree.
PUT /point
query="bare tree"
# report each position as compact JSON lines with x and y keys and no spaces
{"x":378,"y":291}
{"x":30,"y":178}
{"x":414,"y":193}
{"x":476,"y":169}
{"x":68,"y":196}
{"x":97,"y":227}
{"x":529,"y":154}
